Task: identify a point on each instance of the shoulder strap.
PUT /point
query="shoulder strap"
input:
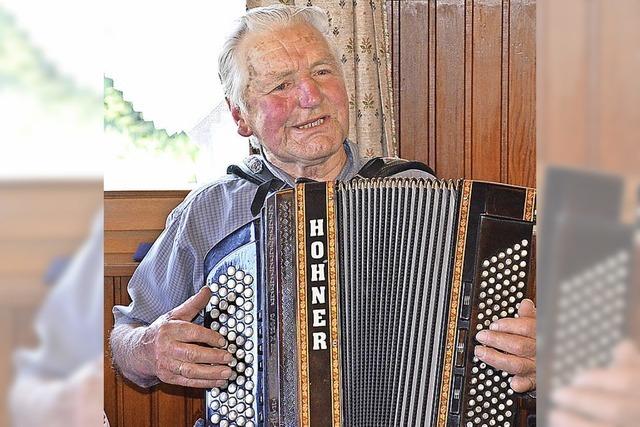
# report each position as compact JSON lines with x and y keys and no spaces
{"x":253,"y":170}
{"x":381,"y":167}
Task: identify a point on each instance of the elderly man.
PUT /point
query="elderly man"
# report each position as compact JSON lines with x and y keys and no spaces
{"x":286,"y":91}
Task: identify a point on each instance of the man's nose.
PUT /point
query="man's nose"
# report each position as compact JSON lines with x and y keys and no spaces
{"x":310,"y":94}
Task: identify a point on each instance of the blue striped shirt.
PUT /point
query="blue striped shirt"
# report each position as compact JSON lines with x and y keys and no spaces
{"x":172,"y":270}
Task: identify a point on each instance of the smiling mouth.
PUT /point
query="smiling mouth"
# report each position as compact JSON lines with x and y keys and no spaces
{"x":312,"y":124}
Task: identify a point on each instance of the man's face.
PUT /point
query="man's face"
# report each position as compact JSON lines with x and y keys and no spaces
{"x":295,"y":96}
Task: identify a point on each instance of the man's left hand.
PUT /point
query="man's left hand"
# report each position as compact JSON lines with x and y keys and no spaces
{"x":510,"y":345}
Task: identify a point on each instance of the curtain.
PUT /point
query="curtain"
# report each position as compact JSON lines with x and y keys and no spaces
{"x":360,"y":32}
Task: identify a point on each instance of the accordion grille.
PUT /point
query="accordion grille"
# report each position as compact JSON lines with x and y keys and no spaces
{"x":395,"y":251}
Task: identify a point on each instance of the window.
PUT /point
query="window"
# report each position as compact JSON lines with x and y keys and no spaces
{"x":167,"y":125}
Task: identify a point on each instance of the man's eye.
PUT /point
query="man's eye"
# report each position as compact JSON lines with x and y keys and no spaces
{"x":323,"y":72}
{"x":281,"y":86}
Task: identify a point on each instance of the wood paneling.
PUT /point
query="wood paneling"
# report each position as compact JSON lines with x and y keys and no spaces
{"x":22,"y":292}
{"x":139,"y":210}
{"x":110,"y":402}
{"x":127,"y":241}
{"x":450,"y":92}
{"x":464,"y":80}
{"x":486,"y":96}
{"x":521,"y":136}
{"x":134,"y":217}
{"x":127,"y":405}
{"x":412,"y":50}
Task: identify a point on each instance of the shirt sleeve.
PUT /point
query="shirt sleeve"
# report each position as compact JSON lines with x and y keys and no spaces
{"x":163,"y":280}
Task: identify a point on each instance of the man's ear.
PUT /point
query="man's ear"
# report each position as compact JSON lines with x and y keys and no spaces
{"x":243,"y":126}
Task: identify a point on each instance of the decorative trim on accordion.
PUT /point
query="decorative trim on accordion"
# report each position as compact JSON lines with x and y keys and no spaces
{"x":445,"y":388}
{"x":530,"y":204}
{"x":333,"y":290}
{"x":301,"y":318}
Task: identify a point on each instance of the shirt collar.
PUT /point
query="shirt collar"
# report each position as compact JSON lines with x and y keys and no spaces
{"x":349,"y":170}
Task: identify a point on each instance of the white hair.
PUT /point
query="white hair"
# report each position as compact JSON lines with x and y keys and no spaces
{"x":232,"y":75}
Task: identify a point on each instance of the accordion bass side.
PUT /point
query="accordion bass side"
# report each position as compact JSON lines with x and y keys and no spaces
{"x":356,"y":303}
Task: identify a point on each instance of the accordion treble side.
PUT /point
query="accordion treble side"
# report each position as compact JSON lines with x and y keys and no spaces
{"x":356,"y":303}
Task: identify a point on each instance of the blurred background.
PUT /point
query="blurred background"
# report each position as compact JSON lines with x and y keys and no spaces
{"x":588,"y":124}
{"x":50,"y":194}
{"x":94,"y":96}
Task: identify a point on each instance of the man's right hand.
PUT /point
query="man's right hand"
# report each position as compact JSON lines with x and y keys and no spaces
{"x":183,"y":353}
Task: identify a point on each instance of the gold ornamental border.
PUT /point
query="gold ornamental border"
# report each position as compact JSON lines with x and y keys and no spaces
{"x":333,"y":294}
{"x":530,"y":204}
{"x":301,"y":313}
{"x":445,"y":386}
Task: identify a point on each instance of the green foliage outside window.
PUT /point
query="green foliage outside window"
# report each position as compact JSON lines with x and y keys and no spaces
{"x":27,"y":73}
{"x":120,"y":116}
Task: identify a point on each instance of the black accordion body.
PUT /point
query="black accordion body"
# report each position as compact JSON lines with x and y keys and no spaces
{"x":356,"y":303}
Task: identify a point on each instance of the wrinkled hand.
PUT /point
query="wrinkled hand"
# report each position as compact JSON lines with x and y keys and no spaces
{"x":510,"y":345}
{"x":183,"y":353}
{"x":604,"y":397}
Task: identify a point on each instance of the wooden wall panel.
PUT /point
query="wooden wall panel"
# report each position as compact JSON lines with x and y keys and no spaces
{"x":127,"y":405}
{"x":522,"y":94}
{"x":486,"y":119}
{"x":127,"y":241}
{"x":135,"y":210}
{"x":136,"y":406}
{"x":134,"y":217}
{"x":450,"y":92}
{"x":413,"y":49}
{"x":110,"y":402}
{"x":464,"y":80}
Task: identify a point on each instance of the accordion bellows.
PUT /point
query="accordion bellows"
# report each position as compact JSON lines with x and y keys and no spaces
{"x":356,"y":303}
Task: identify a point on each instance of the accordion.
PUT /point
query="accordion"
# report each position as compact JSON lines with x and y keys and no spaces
{"x":356,"y":303}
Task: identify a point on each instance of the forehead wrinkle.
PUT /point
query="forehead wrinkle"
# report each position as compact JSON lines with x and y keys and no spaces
{"x":269,"y":58}
{"x":281,"y":66}
{"x":324,"y":60}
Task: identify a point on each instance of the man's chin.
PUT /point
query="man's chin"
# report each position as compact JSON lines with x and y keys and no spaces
{"x":320,"y":143}
{"x":318,"y":152}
